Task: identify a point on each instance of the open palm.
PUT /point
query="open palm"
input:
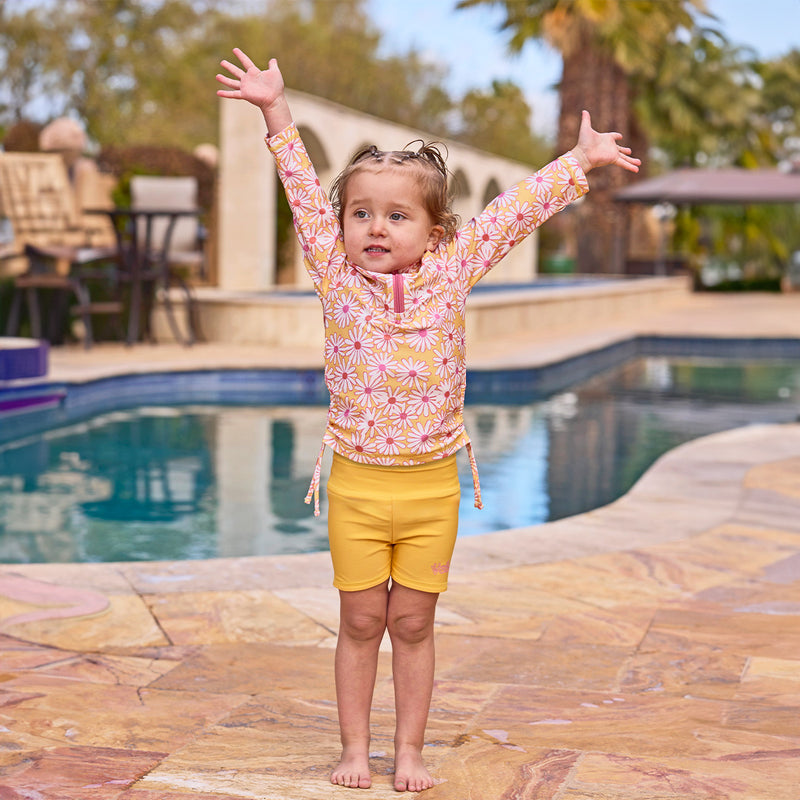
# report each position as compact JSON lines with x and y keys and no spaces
{"x":260,"y":87}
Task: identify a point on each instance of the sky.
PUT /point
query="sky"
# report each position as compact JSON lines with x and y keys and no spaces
{"x":435,"y":29}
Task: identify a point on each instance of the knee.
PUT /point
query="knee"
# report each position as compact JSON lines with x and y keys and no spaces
{"x":410,"y":628}
{"x":363,"y":626}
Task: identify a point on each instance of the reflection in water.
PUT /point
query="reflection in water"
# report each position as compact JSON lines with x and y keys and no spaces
{"x":202,"y":481}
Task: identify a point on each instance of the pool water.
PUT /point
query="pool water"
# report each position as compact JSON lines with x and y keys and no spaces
{"x":205,"y":481}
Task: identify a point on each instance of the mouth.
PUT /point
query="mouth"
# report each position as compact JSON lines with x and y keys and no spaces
{"x":376,"y":250}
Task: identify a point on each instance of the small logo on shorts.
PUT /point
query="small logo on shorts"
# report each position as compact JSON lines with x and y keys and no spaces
{"x":440,"y":567}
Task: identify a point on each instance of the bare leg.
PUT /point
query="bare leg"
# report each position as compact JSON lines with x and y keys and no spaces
{"x":361,"y":628}
{"x":410,"y":622}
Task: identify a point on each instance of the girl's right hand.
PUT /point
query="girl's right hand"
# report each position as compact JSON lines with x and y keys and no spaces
{"x":262,"y":88}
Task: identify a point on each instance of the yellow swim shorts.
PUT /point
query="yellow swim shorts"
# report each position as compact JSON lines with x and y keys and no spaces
{"x":398,"y":522}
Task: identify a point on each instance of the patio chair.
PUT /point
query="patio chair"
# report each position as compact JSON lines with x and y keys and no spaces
{"x":172,"y":238}
{"x":186,"y":250}
{"x":60,"y":253}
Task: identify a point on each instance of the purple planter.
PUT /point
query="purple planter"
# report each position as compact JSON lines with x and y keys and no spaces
{"x":22,"y":358}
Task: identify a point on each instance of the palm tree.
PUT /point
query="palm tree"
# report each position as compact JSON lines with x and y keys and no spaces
{"x":609,"y":49}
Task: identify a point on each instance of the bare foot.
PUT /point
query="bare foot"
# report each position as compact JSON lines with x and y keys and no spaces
{"x":353,"y":770}
{"x":410,"y":774}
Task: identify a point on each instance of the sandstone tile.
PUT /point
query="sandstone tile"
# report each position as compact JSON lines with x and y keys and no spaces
{"x":785,"y":570}
{"x":771,"y":681}
{"x":282,"y":761}
{"x":621,"y":627}
{"x":756,"y":596}
{"x":232,"y":616}
{"x":590,"y":666}
{"x":766,"y":635}
{"x":19,"y":655}
{"x":15,"y":744}
{"x":769,"y":509}
{"x":319,"y":603}
{"x":270,"y":712}
{"x":596,"y":585}
{"x":728,"y":548}
{"x":105,"y":669}
{"x":484,"y":768}
{"x":702,"y":674}
{"x":103,"y":715}
{"x":104,"y":578}
{"x":651,"y":725}
{"x":655,"y":565}
{"x":776,"y":476}
{"x":614,"y":777}
{"x":127,"y":622}
{"x":219,"y":574}
{"x":136,"y":793}
{"x":255,"y":668}
{"x":81,"y":772}
{"x":774,"y":720}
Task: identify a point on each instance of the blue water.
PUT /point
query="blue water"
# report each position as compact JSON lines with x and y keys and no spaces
{"x":201,"y":481}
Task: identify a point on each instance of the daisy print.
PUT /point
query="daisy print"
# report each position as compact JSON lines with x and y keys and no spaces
{"x":344,"y":412}
{"x":545,"y":207}
{"x":541,"y":184}
{"x":423,"y":402}
{"x":342,"y":378}
{"x":390,"y":441}
{"x":519,"y":218}
{"x":422,"y":339}
{"x":422,"y":437}
{"x":412,"y":372}
{"x":334,"y":347}
{"x":392,"y":400}
{"x":368,"y":390}
{"x":345,"y":309}
{"x":379,"y":366}
{"x":371,"y":423}
{"x":445,"y":362}
{"x":564,"y":183}
{"x":290,"y":157}
{"x":361,"y":443}
{"x":355,"y":346}
{"x":385,"y":341}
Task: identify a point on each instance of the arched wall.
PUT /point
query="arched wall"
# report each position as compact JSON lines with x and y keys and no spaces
{"x":248,"y":183}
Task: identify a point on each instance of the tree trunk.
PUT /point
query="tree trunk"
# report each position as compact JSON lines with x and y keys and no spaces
{"x":591,"y":80}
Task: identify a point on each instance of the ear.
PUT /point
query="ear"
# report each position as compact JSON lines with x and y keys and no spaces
{"x":434,"y":237}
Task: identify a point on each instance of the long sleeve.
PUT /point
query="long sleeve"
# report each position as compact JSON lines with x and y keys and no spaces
{"x":315,"y":222}
{"x":515,"y":213}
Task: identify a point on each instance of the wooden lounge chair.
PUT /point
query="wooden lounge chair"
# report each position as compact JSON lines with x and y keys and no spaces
{"x":61,"y":251}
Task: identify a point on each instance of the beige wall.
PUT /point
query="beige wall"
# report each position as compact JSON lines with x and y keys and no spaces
{"x":332,"y":133}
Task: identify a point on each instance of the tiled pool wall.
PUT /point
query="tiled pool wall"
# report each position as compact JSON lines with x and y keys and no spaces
{"x":32,"y":408}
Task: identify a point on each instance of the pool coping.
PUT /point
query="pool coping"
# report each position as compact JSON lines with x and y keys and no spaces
{"x":41,"y":404}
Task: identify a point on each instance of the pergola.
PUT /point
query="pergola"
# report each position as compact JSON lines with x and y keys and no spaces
{"x":729,"y":186}
{"x":713,"y":186}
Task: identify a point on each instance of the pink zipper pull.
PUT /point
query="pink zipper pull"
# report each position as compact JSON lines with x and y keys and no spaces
{"x":397,"y":293}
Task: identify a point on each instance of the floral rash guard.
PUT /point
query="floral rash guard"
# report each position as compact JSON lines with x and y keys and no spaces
{"x":394,"y":343}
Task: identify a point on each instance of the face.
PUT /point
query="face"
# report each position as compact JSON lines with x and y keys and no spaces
{"x":386,"y":225}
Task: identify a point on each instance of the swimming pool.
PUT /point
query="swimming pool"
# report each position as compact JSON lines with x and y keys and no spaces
{"x":187,"y":476}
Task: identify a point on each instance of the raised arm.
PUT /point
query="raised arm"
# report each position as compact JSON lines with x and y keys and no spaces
{"x":599,"y":149}
{"x":262,"y":88}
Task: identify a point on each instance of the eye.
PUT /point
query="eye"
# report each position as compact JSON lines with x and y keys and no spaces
{"x":360,"y":214}
{"x":396,"y":216}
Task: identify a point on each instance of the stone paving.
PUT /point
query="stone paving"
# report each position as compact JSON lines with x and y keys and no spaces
{"x":646,"y":650}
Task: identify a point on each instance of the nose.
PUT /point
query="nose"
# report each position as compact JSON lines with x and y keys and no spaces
{"x":377,"y":226}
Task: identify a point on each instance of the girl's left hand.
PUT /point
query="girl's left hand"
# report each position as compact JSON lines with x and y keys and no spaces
{"x":600,"y":149}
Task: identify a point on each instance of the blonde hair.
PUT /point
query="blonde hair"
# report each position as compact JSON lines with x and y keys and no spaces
{"x":432,"y":173}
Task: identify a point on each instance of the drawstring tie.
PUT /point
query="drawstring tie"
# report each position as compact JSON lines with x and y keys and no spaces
{"x":313,"y":489}
{"x":476,"y":481}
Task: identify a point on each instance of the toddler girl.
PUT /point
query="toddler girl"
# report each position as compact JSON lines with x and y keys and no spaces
{"x":393,"y":275}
